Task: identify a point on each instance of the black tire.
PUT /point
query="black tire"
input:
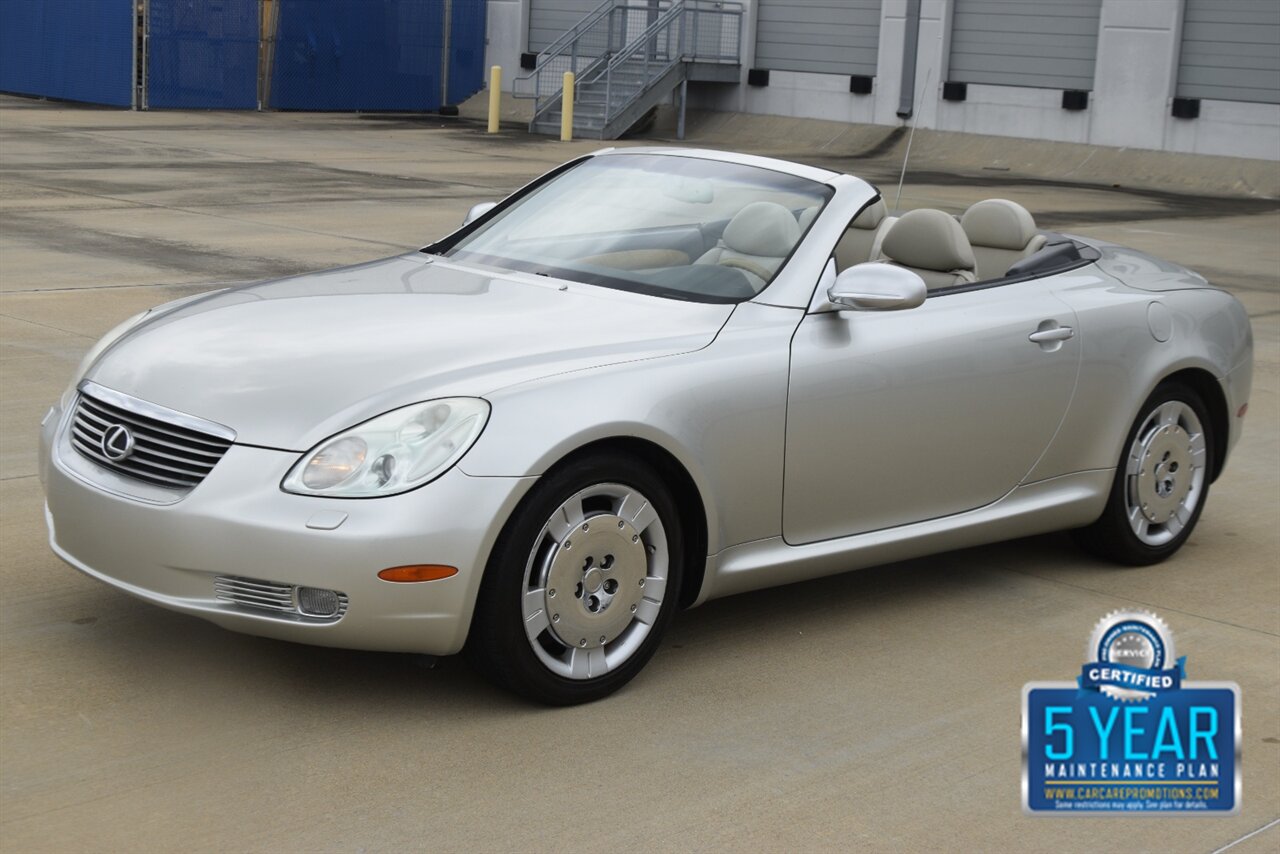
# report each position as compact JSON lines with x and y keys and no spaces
{"x":499,"y":645}
{"x":1112,"y":536}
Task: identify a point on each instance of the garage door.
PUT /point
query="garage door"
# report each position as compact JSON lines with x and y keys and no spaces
{"x":549,"y":19}
{"x":1025,"y":42}
{"x":825,"y":36}
{"x":1230,"y":51}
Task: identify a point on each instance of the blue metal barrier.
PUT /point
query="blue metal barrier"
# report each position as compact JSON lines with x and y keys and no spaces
{"x":80,"y":50}
{"x":375,"y":54}
{"x":202,"y":55}
{"x":466,"y":50}
{"x":358,"y":55}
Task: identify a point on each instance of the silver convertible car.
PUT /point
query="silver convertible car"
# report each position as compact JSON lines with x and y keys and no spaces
{"x":649,"y":378}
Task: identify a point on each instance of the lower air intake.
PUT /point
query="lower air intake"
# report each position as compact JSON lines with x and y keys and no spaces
{"x":284,"y":601}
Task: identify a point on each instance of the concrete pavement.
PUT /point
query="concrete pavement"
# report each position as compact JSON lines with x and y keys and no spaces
{"x":877,"y":710}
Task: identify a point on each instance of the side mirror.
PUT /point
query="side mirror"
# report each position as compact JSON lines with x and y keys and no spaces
{"x":877,"y":287}
{"x":478,"y":211}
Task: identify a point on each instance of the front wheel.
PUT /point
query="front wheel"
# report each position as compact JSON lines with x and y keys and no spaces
{"x":1161,"y":482}
{"x":581,"y":583}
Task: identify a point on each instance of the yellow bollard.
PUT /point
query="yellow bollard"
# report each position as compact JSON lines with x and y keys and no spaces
{"x":495,"y":96}
{"x":566,"y":108}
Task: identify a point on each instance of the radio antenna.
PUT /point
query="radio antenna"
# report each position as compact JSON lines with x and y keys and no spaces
{"x":910,"y":136}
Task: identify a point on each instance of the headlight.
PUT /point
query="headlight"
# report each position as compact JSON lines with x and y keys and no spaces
{"x":392,"y":453}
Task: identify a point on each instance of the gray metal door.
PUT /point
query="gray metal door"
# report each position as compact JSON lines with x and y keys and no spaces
{"x":1049,"y":45}
{"x":899,"y":417}
{"x":1230,"y":51}
{"x":825,"y":36}
{"x":550,"y":19}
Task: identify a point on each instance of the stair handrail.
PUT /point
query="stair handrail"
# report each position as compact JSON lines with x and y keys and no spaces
{"x":594,"y":55}
{"x":646,"y":42}
{"x":565,"y":53}
{"x":680,"y":14}
{"x":723,"y":9}
{"x":640,"y":41}
{"x":571,"y":34}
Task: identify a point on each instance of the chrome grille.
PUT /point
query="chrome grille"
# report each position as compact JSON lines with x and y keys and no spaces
{"x":271,"y":596}
{"x":167,"y":448}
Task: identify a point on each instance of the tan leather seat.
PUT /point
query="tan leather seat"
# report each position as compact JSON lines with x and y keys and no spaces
{"x":932,"y":245}
{"x":756,"y":241}
{"x":859,"y":243}
{"x":1001,"y":234}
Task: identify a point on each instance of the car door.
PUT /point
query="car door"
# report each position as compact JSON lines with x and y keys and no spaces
{"x":896,"y":417}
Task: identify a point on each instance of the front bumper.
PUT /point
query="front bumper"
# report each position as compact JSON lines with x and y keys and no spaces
{"x":238,"y":522}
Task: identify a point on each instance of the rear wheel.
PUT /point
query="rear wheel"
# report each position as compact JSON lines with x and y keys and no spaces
{"x":581,"y":583}
{"x":1161,"y":482}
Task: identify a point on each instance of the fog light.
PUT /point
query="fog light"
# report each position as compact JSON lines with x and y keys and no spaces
{"x":316,"y":602}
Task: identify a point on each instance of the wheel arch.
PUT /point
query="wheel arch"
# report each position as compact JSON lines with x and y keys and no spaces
{"x":690,"y":503}
{"x":1204,"y":384}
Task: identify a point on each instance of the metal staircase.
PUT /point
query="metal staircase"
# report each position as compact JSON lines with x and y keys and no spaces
{"x":627,"y":57}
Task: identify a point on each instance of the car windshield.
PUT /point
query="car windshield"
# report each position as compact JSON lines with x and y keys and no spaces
{"x":679,"y":227}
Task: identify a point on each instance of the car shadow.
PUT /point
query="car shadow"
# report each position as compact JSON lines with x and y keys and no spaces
{"x":395,"y":687}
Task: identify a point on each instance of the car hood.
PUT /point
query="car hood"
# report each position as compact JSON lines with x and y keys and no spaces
{"x":290,"y":362}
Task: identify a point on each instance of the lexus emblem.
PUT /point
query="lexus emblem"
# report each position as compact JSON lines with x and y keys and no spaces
{"x":117,"y":442}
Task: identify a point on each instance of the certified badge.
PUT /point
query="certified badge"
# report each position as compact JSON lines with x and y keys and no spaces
{"x":1128,"y":657}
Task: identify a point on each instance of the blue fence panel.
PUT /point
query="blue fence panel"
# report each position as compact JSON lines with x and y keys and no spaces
{"x":466,"y":50}
{"x":202,"y":54}
{"x":329,"y":54}
{"x":358,"y":55}
{"x":78,"y":50}
{"x":374,"y":54}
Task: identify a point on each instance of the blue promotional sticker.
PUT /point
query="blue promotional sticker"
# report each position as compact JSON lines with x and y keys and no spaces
{"x":1131,"y":735}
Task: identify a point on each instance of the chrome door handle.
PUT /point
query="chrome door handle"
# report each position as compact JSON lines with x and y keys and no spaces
{"x":1059,"y":333}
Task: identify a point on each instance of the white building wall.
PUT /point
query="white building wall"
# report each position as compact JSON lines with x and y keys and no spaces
{"x":1227,"y":127}
{"x":506,"y":34}
{"x":888,"y":82}
{"x":931,"y":60}
{"x":1134,"y":81}
{"x":1129,"y":107}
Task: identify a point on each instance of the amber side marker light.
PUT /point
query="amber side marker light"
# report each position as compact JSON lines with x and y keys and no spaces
{"x":419,"y":572}
{"x":1243,"y":410}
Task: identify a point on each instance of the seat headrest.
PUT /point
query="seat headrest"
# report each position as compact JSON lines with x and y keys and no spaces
{"x":928,"y":239}
{"x":871,"y":217}
{"x":806,"y":217}
{"x":998,"y":224}
{"x":762,"y":228}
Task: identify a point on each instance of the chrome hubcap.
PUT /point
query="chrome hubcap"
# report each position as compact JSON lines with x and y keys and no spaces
{"x":1165,"y":473}
{"x":595,"y":581}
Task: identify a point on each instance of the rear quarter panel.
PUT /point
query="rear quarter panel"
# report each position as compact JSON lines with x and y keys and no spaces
{"x":1123,"y":361}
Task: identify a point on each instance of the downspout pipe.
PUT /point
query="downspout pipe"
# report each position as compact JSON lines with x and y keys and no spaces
{"x":910,"y":48}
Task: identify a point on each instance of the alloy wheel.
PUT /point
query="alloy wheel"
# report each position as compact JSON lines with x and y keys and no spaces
{"x":1165,"y":472}
{"x":595,"y":581}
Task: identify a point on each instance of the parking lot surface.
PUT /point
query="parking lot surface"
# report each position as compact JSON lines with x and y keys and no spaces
{"x":878,"y":709}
